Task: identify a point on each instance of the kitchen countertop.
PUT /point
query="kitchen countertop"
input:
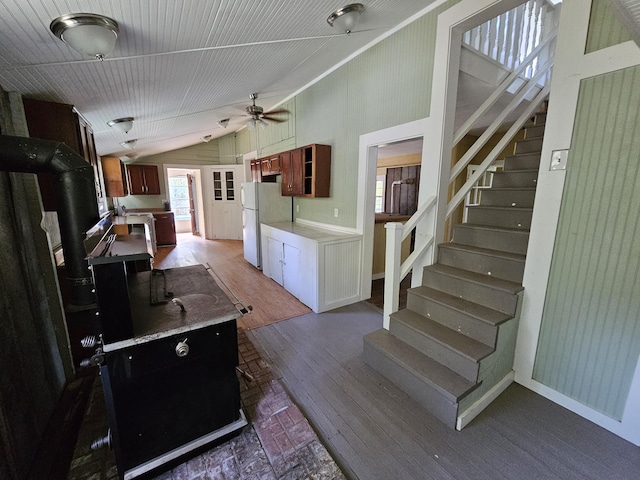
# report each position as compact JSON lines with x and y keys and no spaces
{"x":311,"y":232}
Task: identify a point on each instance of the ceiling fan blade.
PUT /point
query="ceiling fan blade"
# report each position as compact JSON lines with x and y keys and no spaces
{"x":277,"y":112}
{"x":273,"y":119}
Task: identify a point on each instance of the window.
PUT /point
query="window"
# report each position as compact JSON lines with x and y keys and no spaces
{"x":179,"y":197}
{"x":380,"y":181}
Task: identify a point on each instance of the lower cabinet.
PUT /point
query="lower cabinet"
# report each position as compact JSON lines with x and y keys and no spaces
{"x":320,"y":267}
{"x":165,"y":228}
{"x":284,"y":265}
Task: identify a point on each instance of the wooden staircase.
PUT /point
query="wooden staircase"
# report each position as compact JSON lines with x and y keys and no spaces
{"x":452,"y":348}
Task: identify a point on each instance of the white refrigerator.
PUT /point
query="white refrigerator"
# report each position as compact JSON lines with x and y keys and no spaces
{"x":261,"y":203}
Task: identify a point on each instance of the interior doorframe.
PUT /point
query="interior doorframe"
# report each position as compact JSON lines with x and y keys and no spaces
{"x":436,"y":130}
{"x":197,"y":171}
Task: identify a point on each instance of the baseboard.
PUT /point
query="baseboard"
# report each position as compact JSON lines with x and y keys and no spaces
{"x":483,"y":402}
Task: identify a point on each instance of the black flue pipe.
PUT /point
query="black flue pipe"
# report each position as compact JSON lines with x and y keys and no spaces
{"x":76,"y":197}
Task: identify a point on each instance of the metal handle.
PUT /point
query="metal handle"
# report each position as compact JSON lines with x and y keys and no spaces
{"x":182,"y":349}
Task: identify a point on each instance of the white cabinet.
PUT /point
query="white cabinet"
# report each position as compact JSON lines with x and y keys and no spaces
{"x":320,"y":267}
{"x":284,"y":265}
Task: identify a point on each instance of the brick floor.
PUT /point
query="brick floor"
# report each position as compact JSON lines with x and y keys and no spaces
{"x":278,"y":443}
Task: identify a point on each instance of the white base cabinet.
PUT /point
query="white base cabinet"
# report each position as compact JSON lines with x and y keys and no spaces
{"x":320,"y":267}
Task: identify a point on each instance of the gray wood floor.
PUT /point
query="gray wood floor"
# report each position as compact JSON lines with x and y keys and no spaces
{"x":375,"y":431}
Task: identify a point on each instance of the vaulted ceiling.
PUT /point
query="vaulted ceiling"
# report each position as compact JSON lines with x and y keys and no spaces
{"x":180,"y":66}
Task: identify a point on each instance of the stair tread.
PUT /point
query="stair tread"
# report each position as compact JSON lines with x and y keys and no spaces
{"x":499,"y":207}
{"x":484,"y":251}
{"x":501,"y":189}
{"x":491,"y":227}
{"x":519,"y":170}
{"x":449,"y":383}
{"x":479,"y":278}
{"x":484,"y":314}
{"x":462,"y":344}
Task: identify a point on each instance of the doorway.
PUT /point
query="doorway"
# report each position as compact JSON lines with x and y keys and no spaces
{"x":184,"y":187}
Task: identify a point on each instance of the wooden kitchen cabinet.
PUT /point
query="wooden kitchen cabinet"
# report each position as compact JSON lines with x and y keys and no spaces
{"x":256,"y":170}
{"x":165,"y":228}
{"x":143,"y":180}
{"x":316,"y":170}
{"x":271,"y":165}
{"x":115,"y":177}
{"x":292,"y":173}
{"x":60,"y":122}
{"x":307,"y":171}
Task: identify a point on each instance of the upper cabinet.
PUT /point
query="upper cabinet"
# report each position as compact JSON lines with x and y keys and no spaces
{"x":115,"y":179}
{"x":292,"y":174}
{"x":61,"y":123}
{"x":271,"y":165}
{"x":316,"y":170}
{"x":143,"y":180}
{"x":306,"y":171}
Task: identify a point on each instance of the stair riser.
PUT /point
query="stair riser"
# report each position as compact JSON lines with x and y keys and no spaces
{"x":440,"y":353}
{"x":528,"y":161}
{"x":427,"y":396}
{"x":508,"y":198}
{"x":506,"y":241}
{"x":481,"y":294}
{"x":528,"y":146}
{"x":454,"y":319}
{"x":515,"y":179}
{"x":517,"y":219}
{"x":540,"y":118}
{"x":498,"y":267}
{"x":536,"y":131}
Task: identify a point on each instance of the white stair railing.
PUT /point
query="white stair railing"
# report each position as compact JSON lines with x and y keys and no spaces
{"x":511,"y":37}
{"x":517,"y":39}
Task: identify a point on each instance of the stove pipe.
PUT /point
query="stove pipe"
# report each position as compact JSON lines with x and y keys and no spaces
{"x":76,"y":196}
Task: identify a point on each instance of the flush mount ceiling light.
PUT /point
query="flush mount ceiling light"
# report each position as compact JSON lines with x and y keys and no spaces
{"x":130,"y":144}
{"x":224,"y":122}
{"x":88,"y":33}
{"x":123,"y":124}
{"x":206,"y":138}
{"x":344,"y":19}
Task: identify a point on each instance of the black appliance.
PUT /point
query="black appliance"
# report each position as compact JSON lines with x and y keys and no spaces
{"x":167,"y":354}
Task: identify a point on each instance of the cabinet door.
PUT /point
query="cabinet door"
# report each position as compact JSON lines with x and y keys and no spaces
{"x":292,"y":173}
{"x":291,"y":269}
{"x":151,"y":179}
{"x":256,"y":171}
{"x":114,"y":177}
{"x":165,"y":228}
{"x":274,"y":259}
{"x":135,"y":176}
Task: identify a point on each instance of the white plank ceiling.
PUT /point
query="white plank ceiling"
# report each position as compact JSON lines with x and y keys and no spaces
{"x":180,"y":66}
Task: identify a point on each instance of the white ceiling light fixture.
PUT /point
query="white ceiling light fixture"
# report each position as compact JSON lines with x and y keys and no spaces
{"x":123,"y":124}
{"x":345,"y":19}
{"x":206,"y":138}
{"x":129,"y":144}
{"x":88,"y":33}
{"x":224,"y":122}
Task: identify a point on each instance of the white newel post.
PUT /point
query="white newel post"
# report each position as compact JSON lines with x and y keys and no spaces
{"x":392,"y":269}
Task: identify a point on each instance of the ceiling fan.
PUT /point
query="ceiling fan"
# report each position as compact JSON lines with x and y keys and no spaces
{"x":259,"y":117}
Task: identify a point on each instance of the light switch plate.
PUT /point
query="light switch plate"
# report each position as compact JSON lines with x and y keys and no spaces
{"x":559,"y":160}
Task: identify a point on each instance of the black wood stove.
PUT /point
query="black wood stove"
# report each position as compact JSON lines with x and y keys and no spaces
{"x":167,"y":354}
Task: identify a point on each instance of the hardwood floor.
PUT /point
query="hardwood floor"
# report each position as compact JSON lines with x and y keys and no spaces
{"x":375,"y":431}
{"x":271,"y":303}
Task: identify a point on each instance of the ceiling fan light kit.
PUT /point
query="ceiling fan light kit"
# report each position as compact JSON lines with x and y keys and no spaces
{"x":88,"y":33}
{"x":258,"y":117}
{"x":122,"y":124}
{"x":345,"y":19}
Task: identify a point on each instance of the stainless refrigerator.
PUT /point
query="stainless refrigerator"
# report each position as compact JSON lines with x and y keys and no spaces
{"x":261,"y":203}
